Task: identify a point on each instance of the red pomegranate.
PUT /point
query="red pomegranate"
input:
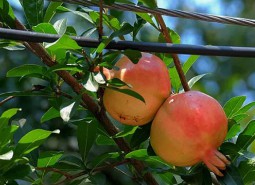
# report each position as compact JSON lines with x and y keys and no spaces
{"x":188,"y":129}
{"x":150,"y":78}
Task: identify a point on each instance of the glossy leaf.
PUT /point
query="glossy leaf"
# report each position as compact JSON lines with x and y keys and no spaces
{"x":128,"y":130}
{"x":50,"y":114}
{"x":91,"y":84}
{"x":133,"y":55}
{"x":51,"y":11}
{"x":116,"y":82}
{"x":6,"y":13}
{"x":233,"y":105}
{"x":32,"y":140}
{"x":70,"y":162}
{"x":247,"y":171}
{"x":48,"y":158}
{"x":100,"y":159}
{"x":33,"y":10}
{"x":11,"y":45}
{"x":28,"y":69}
{"x":64,"y":42}
{"x":129,"y":92}
{"x":68,"y":108}
{"x":247,"y":136}
{"x":86,"y":136}
{"x":231,"y":176}
{"x":195,"y":79}
{"x":141,"y":134}
{"x":45,"y":28}
{"x":27,"y":93}
{"x":246,"y":108}
{"x":104,"y":140}
{"x":60,"y":26}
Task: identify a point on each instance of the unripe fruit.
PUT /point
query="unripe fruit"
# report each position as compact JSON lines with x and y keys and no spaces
{"x":188,"y":129}
{"x":150,"y":78}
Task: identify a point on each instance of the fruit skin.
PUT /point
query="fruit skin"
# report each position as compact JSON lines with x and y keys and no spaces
{"x":188,"y":129}
{"x":150,"y":78}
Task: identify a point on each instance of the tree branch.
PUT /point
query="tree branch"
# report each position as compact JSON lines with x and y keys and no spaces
{"x":99,"y":113}
{"x":176,"y":59}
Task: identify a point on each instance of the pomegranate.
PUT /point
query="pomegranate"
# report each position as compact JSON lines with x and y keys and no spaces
{"x":188,"y":129}
{"x":150,"y":78}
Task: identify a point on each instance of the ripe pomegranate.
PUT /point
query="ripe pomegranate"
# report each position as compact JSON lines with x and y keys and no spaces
{"x":188,"y":129}
{"x":150,"y":78}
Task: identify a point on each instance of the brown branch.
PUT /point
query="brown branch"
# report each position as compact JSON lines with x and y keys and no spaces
{"x":99,"y":113}
{"x":176,"y":59}
{"x":6,"y":100}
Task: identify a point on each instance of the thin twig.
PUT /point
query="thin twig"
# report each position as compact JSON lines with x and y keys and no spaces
{"x":6,"y":100}
{"x":176,"y":59}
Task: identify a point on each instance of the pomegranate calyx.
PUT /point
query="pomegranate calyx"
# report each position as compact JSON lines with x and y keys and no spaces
{"x":216,"y":161}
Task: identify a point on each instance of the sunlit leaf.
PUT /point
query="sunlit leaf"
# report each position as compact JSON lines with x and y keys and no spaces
{"x":128,"y":130}
{"x":51,"y":11}
{"x":45,"y":28}
{"x":32,"y":140}
{"x":60,"y":26}
{"x":233,"y":105}
{"x":48,"y":158}
{"x":50,"y":114}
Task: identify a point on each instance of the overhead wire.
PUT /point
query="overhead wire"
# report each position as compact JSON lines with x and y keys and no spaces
{"x":168,"y":12}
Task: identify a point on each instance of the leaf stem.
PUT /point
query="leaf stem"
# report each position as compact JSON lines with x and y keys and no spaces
{"x":176,"y":59}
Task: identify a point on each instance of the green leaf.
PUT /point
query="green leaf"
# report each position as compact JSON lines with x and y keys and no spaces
{"x":70,"y":162}
{"x":116,"y":82}
{"x":27,"y":93}
{"x":133,"y":55}
{"x":200,"y":176}
{"x":147,"y":18}
{"x":60,"y":26}
{"x":175,"y":79}
{"x":141,"y":134}
{"x":18,"y":171}
{"x":128,"y":130}
{"x":51,"y":11}
{"x":45,"y":28}
{"x":32,"y":140}
{"x":195,"y":79}
{"x":6,"y":14}
{"x":29,"y":69}
{"x":149,"y":3}
{"x":125,"y":29}
{"x":230,"y":149}
{"x":128,"y":92}
{"x":246,"y":108}
{"x":50,"y":114}
{"x":140,"y":154}
{"x":176,"y":39}
{"x":48,"y":158}
{"x":233,"y":131}
{"x":231,"y":176}
{"x":100,"y":159}
{"x":189,"y":63}
{"x":67,"y":67}
{"x":104,"y":140}
{"x":247,"y":171}
{"x":10,"y":113}
{"x":33,"y":11}
{"x":6,"y":136}
{"x":11,"y":45}
{"x":84,"y":15}
{"x":64,"y":42}
{"x":246,"y":137}
{"x":86,"y":136}
{"x":233,"y":105}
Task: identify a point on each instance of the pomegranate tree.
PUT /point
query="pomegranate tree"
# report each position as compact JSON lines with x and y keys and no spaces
{"x":188,"y":129}
{"x":149,"y":77}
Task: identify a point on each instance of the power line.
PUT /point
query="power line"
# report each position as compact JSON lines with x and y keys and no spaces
{"x":168,"y":12}
{"x":230,"y":51}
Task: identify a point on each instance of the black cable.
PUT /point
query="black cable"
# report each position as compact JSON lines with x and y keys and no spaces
{"x":230,"y":51}
{"x":168,"y":12}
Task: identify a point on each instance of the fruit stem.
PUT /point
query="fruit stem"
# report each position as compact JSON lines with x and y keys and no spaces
{"x":175,"y":57}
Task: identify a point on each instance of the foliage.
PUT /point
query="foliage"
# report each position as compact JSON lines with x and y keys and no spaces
{"x":25,"y":154}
